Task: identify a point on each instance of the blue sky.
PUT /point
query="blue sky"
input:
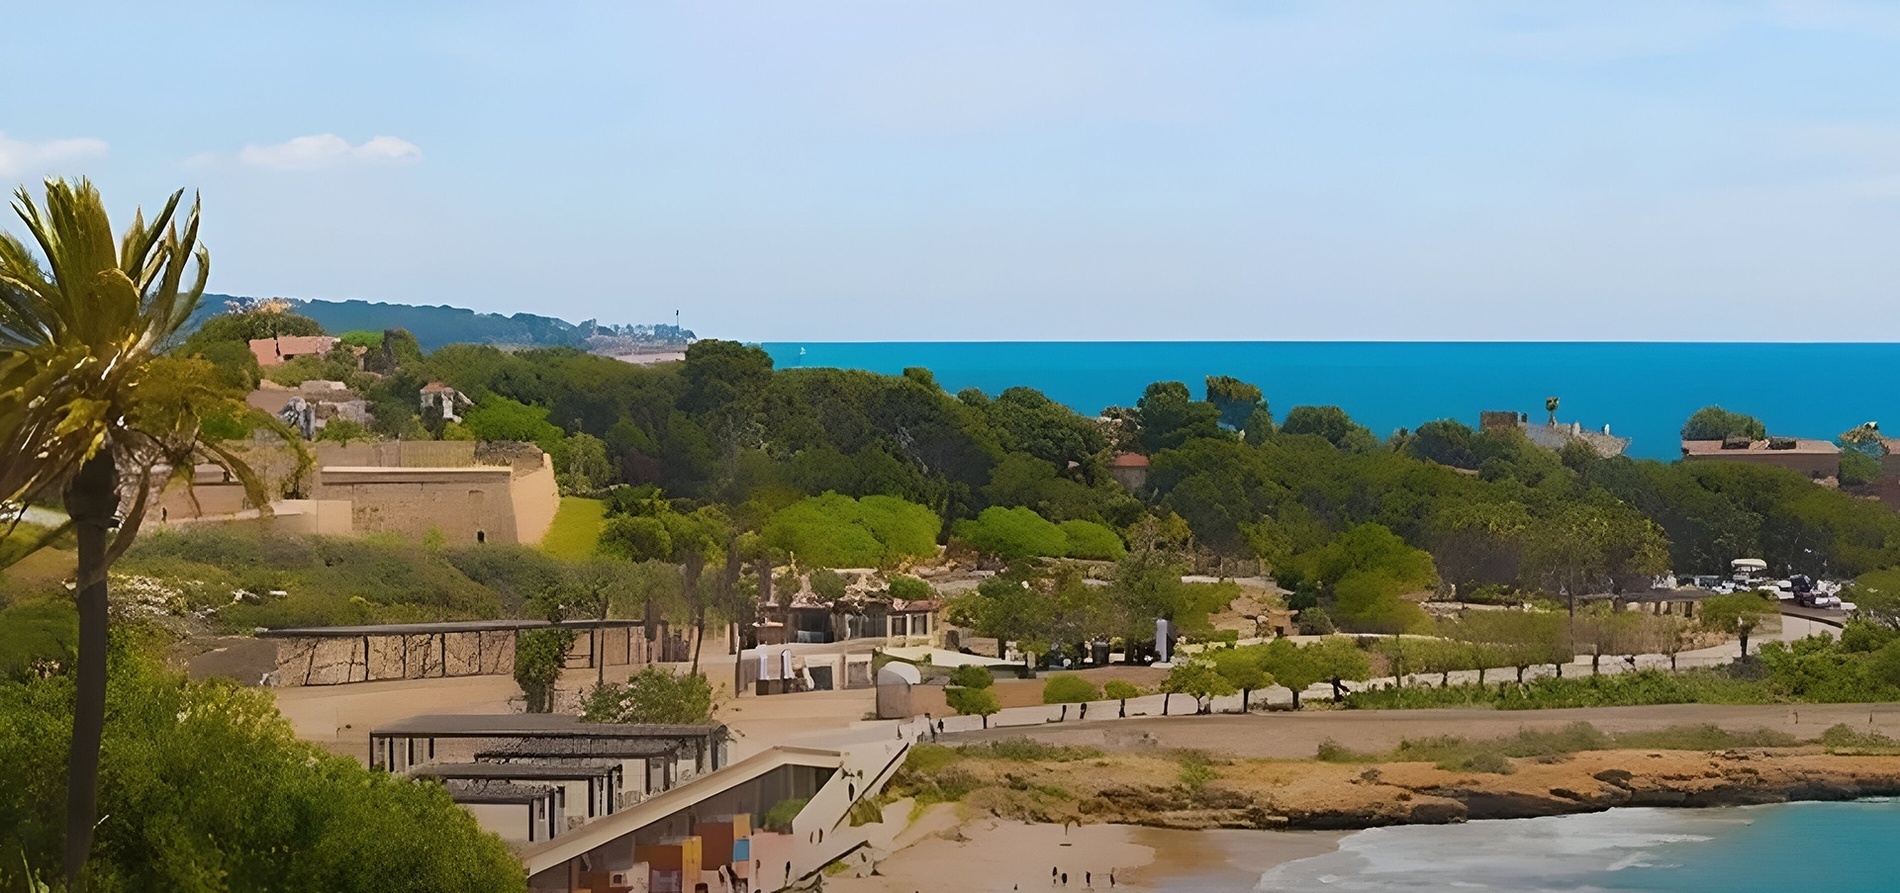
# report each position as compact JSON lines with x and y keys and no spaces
{"x":1658,"y":170}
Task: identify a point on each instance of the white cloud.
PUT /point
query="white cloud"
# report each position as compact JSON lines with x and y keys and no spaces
{"x":18,"y":157}
{"x":329,"y":150}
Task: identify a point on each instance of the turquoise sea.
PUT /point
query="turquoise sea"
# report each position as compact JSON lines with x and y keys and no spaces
{"x":1642,"y":390}
{"x":1785,"y":848}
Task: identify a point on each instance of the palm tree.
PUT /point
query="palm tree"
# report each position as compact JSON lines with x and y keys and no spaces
{"x":90,"y":410}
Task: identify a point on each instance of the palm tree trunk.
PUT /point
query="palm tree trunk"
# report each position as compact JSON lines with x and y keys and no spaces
{"x":699,"y":636}
{"x":91,"y":500}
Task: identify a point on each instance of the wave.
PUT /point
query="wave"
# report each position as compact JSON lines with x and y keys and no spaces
{"x":1563,"y":854}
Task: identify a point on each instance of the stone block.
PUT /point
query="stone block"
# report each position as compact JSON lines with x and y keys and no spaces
{"x":459,"y":654}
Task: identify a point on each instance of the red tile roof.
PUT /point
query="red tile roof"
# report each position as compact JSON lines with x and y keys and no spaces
{"x":1129,"y":460}
{"x":274,"y":351}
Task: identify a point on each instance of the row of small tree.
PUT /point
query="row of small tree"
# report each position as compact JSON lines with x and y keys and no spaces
{"x":1477,"y":641}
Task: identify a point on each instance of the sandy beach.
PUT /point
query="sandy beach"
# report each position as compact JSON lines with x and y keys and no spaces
{"x":989,"y":854}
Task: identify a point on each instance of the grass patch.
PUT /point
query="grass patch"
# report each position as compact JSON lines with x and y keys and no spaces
{"x":1698,"y":686}
{"x":575,"y":532}
{"x":37,"y":629}
{"x":1453,"y":753}
{"x":1196,"y":770}
{"x":1704,"y":737}
{"x":1027,"y":750}
{"x":1842,"y":738}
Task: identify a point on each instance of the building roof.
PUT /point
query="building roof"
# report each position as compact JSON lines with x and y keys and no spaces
{"x":534,"y":725}
{"x":502,"y":792}
{"x":430,"y":629}
{"x":273,"y":351}
{"x":436,"y":387}
{"x":580,"y":751}
{"x":1129,"y":460}
{"x":506,"y":771}
{"x":1800,"y":446}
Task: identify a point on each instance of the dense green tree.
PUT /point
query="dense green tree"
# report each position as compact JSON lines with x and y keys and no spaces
{"x":499,"y":418}
{"x":1332,"y":424}
{"x":1170,"y":416}
{"x":906,"y":588}
{"x":580,"y":463}
{"x":1068,"y":688}
{"x":969,"y":693}
{"x":1089,"y":540}
{"x":271,"y":319}
{"x":1297,"y":668}
{"x":1446,"y":442}
{"x":1862,"y":448}
{"x":207,"y":788}
{"x":636,"y":538}
{"x":1738,"y":614}
{"x":1237,"y":402}
{"x":1013,"y":534}
{"x":1243,"y":669}
{"x":1716,"y":423}
{"x":1197,"y":679}
{"x":1338,"y":661}
{"x":838,"y":531}
{"x":1031,"y":423}
{"x":539,"y":656}
{"x":653,"y":695}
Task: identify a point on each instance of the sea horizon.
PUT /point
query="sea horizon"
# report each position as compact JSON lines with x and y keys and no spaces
{"x":1643,"y":390}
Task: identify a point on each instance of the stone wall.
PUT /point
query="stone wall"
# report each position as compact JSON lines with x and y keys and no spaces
{"x":465,"y":506}
{"x":334,"y":661}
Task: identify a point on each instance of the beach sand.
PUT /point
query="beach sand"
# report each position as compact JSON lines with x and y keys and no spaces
{"x":988,"y":854}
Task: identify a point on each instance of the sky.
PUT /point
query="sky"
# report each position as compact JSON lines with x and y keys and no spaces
{"x":806,"y":170}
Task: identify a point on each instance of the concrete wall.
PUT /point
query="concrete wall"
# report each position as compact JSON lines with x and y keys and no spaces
{"x":536,"y":497}
{"x":929,"y":698}
{"x":465,"y":505}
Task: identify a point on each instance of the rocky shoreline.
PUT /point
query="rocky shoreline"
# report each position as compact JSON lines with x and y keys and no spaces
{"x":1155,"y":791}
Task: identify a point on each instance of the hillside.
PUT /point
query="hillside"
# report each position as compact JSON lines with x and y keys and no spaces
{"x":433,"y":327}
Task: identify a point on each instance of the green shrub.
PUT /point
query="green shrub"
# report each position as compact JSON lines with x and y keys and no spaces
{"x":1068,"y":688}
{"x":1704,"y":737}
{"x":1013,"y":534}
{"x":972,"y":676}
{"x":1089,"y":540}
{"x":1700,"y":686}
{"x":41,"y":632}
{"x":653,"y":695}
{"x":838,"y":531}
{"x":206,"y":787}
{"x":1196,"y":770}
{"x":1843,"y":737}
{"x":780,"y":817}
{"x":910,"y":589}
{"x":1483,"y":761}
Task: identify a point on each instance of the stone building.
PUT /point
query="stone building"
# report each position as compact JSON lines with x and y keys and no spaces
{"x":1818,"y":459}
{"x":278,"y":351}
{"x":465,"y":492}
{"x":1131,"y":469}
{"x":1555,"y":435}
{"x":445,"y":400}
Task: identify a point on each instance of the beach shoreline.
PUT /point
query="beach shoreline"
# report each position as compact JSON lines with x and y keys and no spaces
{"x":986,"y":853}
